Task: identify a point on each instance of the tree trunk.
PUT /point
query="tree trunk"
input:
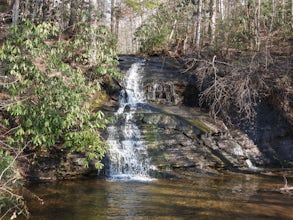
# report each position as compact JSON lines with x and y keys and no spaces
{"x":26,"y":10}
{"x":197,"y":35}
{"x":46,"y":10}
{"x":35,"y":9}
{"x":72,"y":17}
{"x":117,"y":19}
{"x":249,"y":21}
{"x":213,"y":13}
{"x":93,"y":7}
{"x":15,"y":12}
{"x":268,"y":37}
{"x":257,"y":25}
{"x":101,"y":10}
{"x":272,"y":19}
{"x":221,"y":9}
{"x":112,"y":25}
{"x":173,"y":30}
{"x":292,"y":13}
{"x":283,"y":11}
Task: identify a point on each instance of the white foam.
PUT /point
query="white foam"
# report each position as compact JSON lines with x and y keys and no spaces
{"x":250,"y":165}
{"x":128,"y":177}
{"x":127,"y":153}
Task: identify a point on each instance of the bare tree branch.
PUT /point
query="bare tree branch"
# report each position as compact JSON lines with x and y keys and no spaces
{"x":12,"y":162}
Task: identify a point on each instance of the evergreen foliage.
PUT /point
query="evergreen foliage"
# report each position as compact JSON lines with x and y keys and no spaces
{"x":49,"y":94}
{"x":49,"y":82}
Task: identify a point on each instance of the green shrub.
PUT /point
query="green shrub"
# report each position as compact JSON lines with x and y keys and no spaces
{"x":49,"y":85}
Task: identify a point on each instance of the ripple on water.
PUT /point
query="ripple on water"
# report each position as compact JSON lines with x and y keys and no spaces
{"x":223,"y":197}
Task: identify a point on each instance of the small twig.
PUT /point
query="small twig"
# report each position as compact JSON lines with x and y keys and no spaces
{"x":7,"y":182}
{"x":12,"y":103}
{"x":13,"y":161}
{"x":8,"y":211}
{"x":12,"y":129}
{"x":9,"y":191}
{"x":8,"y":83}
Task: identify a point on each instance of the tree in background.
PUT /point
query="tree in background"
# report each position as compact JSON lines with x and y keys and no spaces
{"x":197,"y":31}
{"x":203,"y":24}
{"x":222,"y":24}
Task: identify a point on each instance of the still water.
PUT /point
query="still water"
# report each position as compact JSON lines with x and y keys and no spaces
{"x":225,"y":197}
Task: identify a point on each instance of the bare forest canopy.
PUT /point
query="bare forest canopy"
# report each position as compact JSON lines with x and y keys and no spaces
{"x":183,"y":25}
{"x":219,"y":25}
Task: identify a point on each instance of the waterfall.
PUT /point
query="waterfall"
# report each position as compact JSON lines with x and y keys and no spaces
{"x":128,"y":157}
{"x":250,"y":165}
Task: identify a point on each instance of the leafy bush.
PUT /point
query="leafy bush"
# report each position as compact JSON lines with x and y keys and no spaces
{"x":50,"y":84}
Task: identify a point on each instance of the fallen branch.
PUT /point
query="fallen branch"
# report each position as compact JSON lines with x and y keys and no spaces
{"x":286,"y":189}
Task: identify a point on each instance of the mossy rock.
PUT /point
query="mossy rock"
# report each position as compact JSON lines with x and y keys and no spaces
{"x":99,"y":99}
{"x":199,"y":124}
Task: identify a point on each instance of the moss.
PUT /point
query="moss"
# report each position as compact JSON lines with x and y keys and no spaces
{"x":151,"y":133}
{"x":199,"y":124}
{"x":192,"y":121}
{"x":156,"y":149}
{"x":159,"y":158}
{"x":99,"y":99}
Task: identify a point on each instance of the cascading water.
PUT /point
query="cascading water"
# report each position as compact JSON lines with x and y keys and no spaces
{"x":128,"y":157}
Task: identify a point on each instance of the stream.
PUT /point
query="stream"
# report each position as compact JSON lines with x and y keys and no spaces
{"x":234,"y":196}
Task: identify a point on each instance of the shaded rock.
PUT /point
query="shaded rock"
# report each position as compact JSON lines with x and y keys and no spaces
{"x":273,"y":134}
{"x":175,"y":142}
{"x":58,"y":165}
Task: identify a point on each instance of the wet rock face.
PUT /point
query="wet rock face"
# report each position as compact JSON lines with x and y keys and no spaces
{"x":162,"y":93}
{"x":164,"y":82}
{"x":178,"y":143}
{"x":182,"y":138}
{"x":174,"y":145}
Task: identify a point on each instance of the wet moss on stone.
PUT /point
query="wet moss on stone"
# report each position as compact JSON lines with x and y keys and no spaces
{"x":199,"y":124}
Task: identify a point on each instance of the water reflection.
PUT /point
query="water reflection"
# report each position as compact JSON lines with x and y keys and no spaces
{"x":229,"y":197}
